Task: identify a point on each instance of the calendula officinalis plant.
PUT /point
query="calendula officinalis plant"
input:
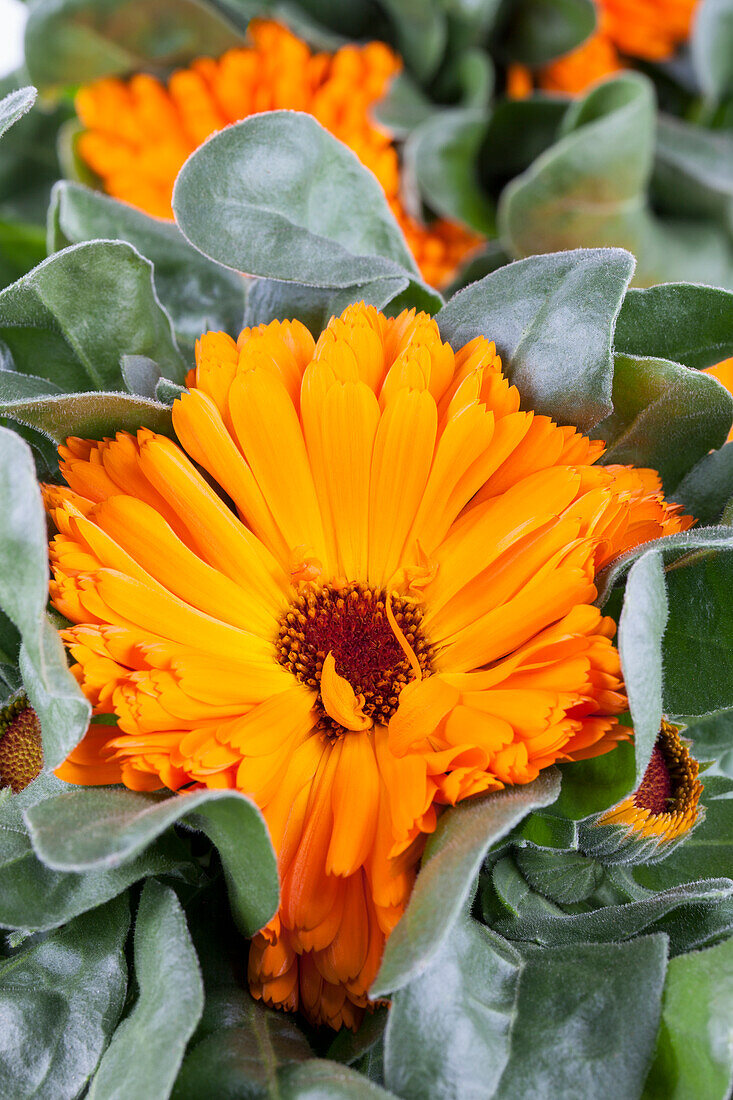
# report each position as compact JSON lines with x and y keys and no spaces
{"x":366,"y":680}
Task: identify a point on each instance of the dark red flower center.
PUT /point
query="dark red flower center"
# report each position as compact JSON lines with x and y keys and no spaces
{"x":655,"y":790}
{"x":351,"y":621}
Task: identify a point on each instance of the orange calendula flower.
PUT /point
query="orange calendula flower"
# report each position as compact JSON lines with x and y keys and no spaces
{"x":21,"y":748}
{"x":664,"y":806}
{"x":139,"y":132}
{"x":650,"y":30}
{"x":359,"y":589}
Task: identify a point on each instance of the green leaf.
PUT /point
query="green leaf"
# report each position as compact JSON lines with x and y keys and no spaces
{"x":564,"y":877}
{"x":560,"y":1022}
{"x":442,"y":155}
{"x":586,"y":1019}
{"x":640,"y":633}
{"x":23,"y":540}
{"x":141,"y":375}
{"x":552,"y":319}
{"x":590,"y":786}
{"x":59,"y":1001}
{"x":147,"y":1048}
{"x":691,"y":913}
{"x":449,"y":1029}
{"x":403,"y":107}
{"x":100,"y":828}
{"x":34,"y":897}
{"x":277,"y":195}
{"x":56,"y":697}
{"x":80,"y":310}
{"x":707,"y":488}
{"x":665,"y":416}
{"x":712,"y":734}
{"x":89,"y":415}
{"x":694,"y":1057}
{"x":452,"y":860}
{"x":517,"y":132}
{"x":693,"y":170}
{"x":698,"y":635}
{"x":420,"y":31}
{"x":62,"y":709}
{"x":243,"y":1060}
{"x":319,"y":1079}
{"x":270,"y":300}
{"x":22,"y":247}
{"x":14,"y":105}
{"x":535,"y":31}
{"x":590,"y":188}
{"x":197,"y":294}
{"x":712,"y":47}
{"x":679,"y":321}
{"x":72,"y":42}
{"x":707,"y":538}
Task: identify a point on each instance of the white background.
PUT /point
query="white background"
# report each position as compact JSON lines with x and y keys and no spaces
{"x":13,"y":15}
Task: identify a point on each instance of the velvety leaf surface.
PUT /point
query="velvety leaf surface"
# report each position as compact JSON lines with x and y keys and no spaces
{"x":442,"y":153}
{"x":270,"y":300}
{"x":552,"y":319}
{"x":433,"y":1052}
{"x":420,"y":30}
{"x":243,"y":1060}
{"x":590,"y":188}
{"x":691,"y":913}
{"x":535,"y":31}
{"x":197,"y":294}
{"x":707,"y":488}
{"x":698,"y":636}
{"x":63,"y":997}
{"x":679,"y":321}
{"x":588,"y":1015}
{"x":319,"y":1079}
{"x":693,"y":171}
{"x":100,"y":828}
{"x":33,"y":896}
{"x":640,"y":633}
{"x":451,"y":862}
{"x":694,"y":1058}
{"x":586,"y":1019}
{"x":80,"y":310}
{"x":63,"y":711}
{"x":147,"y":1048}
{"x":720,"y":537}
{"x":76,"y":41}
{"x":14,"y":105}
{"x":276,"y":195}
{"x":712,"y":47}
{"x":590,"y":786}
{"x":665,"y":416}
{"x":89,"y":415}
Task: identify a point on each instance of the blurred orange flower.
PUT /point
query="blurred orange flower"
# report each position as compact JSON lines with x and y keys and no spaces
{"x":139,"y":132}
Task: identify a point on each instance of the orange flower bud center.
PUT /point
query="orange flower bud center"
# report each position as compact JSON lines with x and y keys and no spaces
{"x":21,"y":748}
{"x":349,"y":624}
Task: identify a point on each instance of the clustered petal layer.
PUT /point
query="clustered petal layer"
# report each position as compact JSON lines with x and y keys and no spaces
{"x":359,"y":589}
{"x":138,"y":133}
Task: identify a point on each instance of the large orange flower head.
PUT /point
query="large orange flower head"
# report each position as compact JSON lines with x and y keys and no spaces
{"x":648,"y":30}
{"x":359,"y":589}
{"x":138,"y":133}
